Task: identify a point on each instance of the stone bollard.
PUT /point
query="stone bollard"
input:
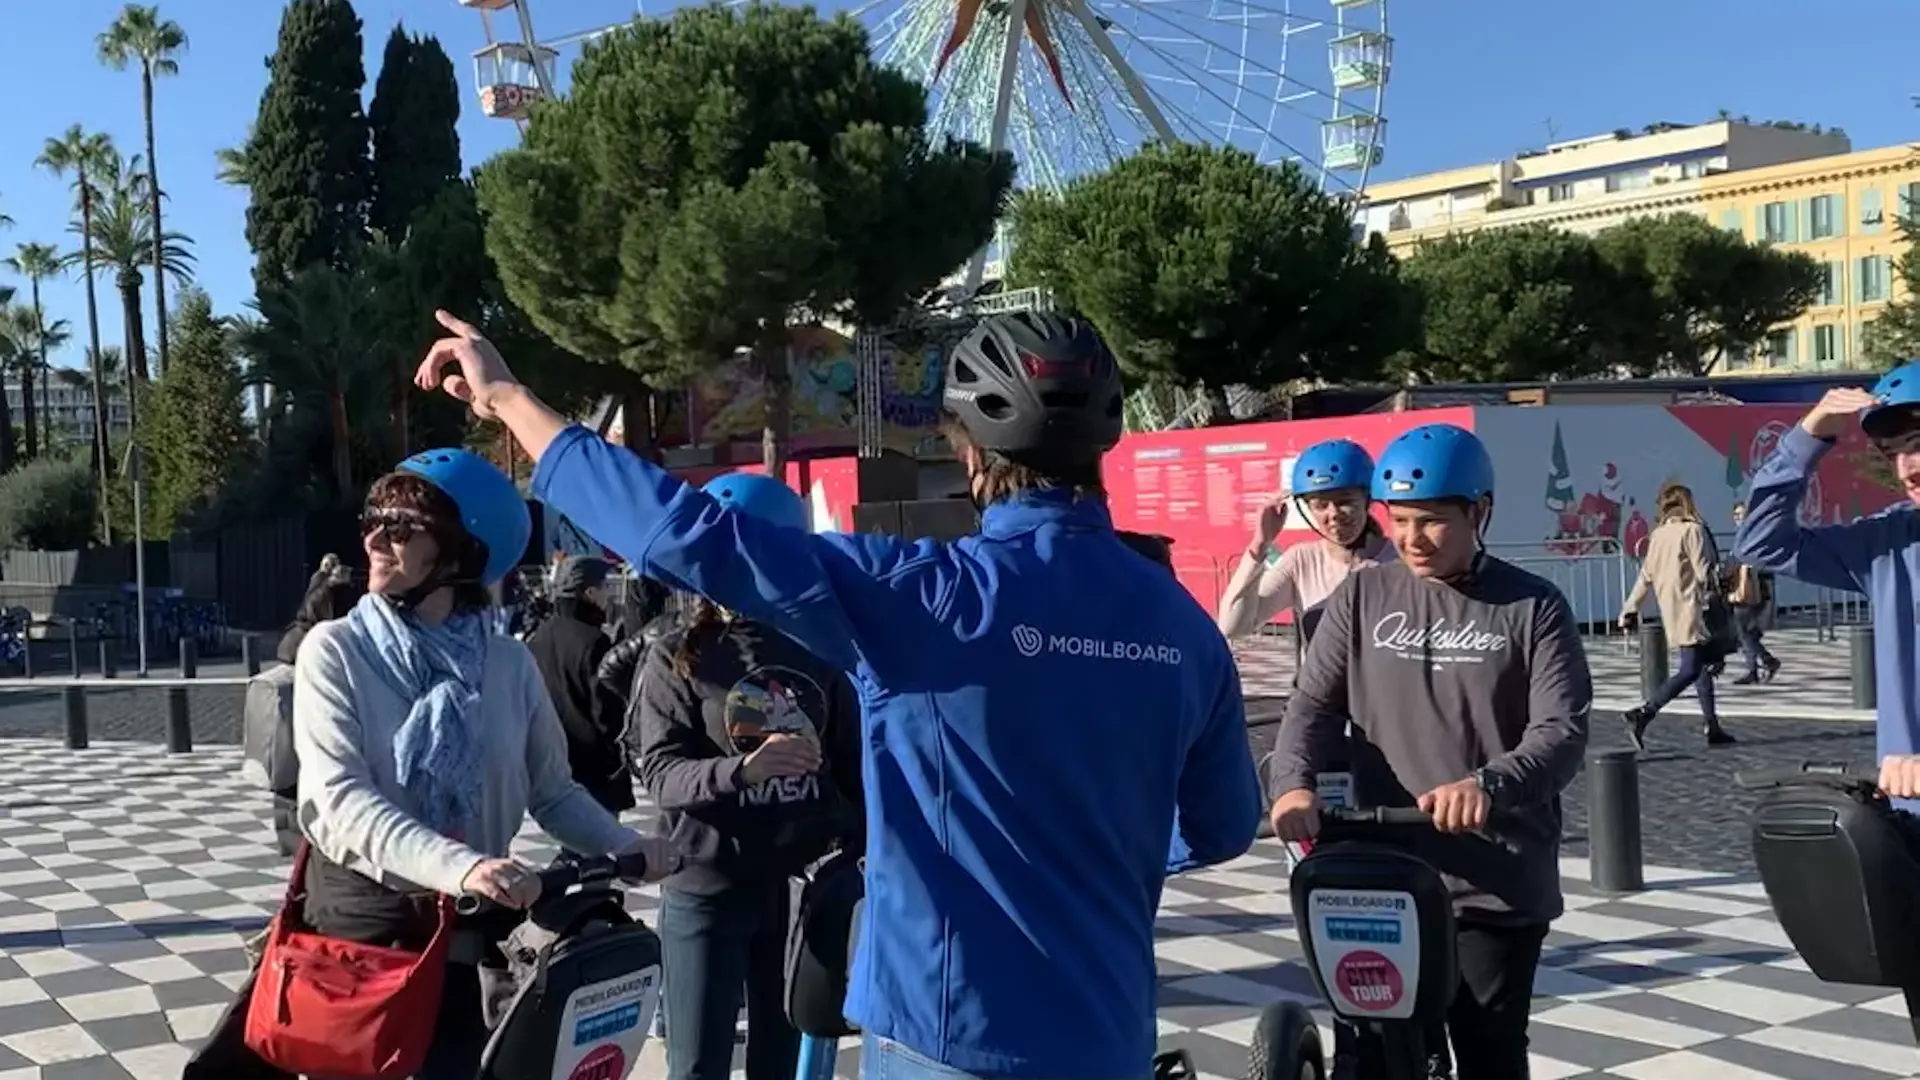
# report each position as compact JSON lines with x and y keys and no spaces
{"x":179,"y":721}
{"x":189,"y":658}
{"x":75,"y":698}
{"x":1613,"y":821}
{"x":1653,"y":659}
{"x":1866,"y":691}
{"x":73,"y":646}
{"x":249,"y":655}
{"x":107,"y":666}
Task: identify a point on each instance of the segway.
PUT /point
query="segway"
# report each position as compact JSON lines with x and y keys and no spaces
{"x":1841,"y":868}
{"x":586,"y":977}
{"x":1377,"y":925}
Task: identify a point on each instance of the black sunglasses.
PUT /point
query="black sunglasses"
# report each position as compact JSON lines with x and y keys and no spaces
{"x":396,"y":527}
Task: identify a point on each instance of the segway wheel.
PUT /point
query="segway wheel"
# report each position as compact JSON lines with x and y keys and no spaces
{"x":1286,"y":1045}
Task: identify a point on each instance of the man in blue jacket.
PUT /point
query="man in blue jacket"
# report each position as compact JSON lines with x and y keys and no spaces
{"x":1878,"y":555}
{"x":1044,"y":707}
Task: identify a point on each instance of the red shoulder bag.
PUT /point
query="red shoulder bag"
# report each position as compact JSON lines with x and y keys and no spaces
{"x":332,"y":1008}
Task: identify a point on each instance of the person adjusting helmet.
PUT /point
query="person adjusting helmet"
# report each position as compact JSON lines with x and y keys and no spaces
{"x":1878,"y":555}
{"x":1330,"y":485}
{"x":1463,"y":678}
{"x":994,"y":812}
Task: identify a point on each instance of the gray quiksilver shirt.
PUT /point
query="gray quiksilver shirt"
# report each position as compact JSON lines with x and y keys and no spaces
{"x":1439,"y":681}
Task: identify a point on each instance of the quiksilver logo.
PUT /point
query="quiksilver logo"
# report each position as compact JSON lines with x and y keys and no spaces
{"x":1393,"y":632}
{"x":1031,"y":643}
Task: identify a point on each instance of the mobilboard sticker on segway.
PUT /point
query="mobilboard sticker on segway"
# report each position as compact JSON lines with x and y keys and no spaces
{"x":1367,"y":944}
{"x":604,"y":1025}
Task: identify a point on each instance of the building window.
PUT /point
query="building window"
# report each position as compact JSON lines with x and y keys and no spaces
{"x":1560,"y":192}
{"x":1872,"y":214}
{"x":1737,"y":360}
{"x":1730,"y":221}
{"x":1826,"y":346}
{"x":1780,"y":349}
{"x":1910,"y":201}
{"x":1692,"y":170}
{"x":1823,"y":217}
{"x":1776,"y":223}
{"x":1833,"y":284}
{"x":1636,"y":180}
{"x":1871,"y":275}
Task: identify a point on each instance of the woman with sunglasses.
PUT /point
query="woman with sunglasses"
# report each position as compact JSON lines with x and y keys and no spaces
{"x":425,"y":740}
{"x":1331,"y":481}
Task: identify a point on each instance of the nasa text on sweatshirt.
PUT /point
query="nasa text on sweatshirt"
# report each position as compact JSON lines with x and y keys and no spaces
{"x":1441,"y":680}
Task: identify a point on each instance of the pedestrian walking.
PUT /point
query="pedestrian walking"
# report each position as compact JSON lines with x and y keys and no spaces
{"x":1679,"y":570}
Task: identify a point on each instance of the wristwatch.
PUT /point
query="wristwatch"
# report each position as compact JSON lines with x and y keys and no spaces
{"x":1490,"y":782}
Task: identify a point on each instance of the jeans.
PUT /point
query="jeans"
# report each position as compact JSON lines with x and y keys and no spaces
{"x":1693,"y":670}
{"x":715,"y":952}
{"x":1487,"y":1024}
{"x":884,"y":1059}
{"x":1751,"y":644}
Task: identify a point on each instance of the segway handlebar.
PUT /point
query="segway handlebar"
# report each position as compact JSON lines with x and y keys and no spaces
{"x":1376,"y":815}
{"x":1833,"y":774}
{"x":558,"y":878}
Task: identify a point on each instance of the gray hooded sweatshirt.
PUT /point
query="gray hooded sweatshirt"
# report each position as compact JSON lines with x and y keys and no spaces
{"x":1441,"y":680}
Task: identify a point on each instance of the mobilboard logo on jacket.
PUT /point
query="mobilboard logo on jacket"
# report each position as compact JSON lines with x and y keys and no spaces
{"x":1032,"y":643}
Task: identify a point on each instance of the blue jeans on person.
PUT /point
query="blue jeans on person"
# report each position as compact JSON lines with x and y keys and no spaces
{"x":1693,"y":671}
{"x":716,"y":952}
{"x":884,"y":1059}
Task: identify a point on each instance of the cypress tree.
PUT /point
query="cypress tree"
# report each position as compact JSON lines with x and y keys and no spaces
{"x":416,"y":149}
{"x":307,"y":160}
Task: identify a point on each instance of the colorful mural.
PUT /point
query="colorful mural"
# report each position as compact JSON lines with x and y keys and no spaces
{"x":729,"y":405}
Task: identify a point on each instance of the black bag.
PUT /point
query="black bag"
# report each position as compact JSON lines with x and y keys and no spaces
{"x":585,"y":984}
{"x":1841,"y":867}
{"x":1723,"y":633}
{"x":820,"y":946}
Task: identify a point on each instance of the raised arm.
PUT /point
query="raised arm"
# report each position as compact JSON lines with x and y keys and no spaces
{"x":1257,"y":592}
{"x":1772,"y":538}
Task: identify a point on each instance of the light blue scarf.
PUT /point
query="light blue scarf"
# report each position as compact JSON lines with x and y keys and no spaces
{"x":436,"y":754}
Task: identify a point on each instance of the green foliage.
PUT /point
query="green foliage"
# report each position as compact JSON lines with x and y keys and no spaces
{"x":1201,"y":265}
{"x":1502,"y":305}
{"x":307,"y":159}
{"x":713,"y":171}
{"x":193,"y":426}
{"x":1700,"y":293}
{"x":416,"y":151}
{"x":1894,"y":337}
{"x":48,"y":505}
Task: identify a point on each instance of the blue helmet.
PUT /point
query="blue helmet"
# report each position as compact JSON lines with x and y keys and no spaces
{"x":1334,"y":465}
{"x":1433,"y":461}
{"x":1898,"y":391}
{"x":491,"y":509}
{"x":762,"y":497}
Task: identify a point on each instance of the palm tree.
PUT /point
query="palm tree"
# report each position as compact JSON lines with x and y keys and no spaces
{"x":139,"y":34}
{"x":36,"y":263}
{"x":85,"y":155}
{"x":5,"y":222}
{"x":231,"y":163}
{"x":121,"y":238}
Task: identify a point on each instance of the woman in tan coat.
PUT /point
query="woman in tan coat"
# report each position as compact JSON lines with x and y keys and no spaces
{"x":1679,"y":569}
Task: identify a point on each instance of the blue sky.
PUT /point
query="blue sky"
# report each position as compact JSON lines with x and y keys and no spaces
{"x":1473,"y":80}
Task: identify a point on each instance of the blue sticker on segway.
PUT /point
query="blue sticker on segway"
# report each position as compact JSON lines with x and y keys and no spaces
{"x":605,"y":1025}
{"x":1366,"y":931}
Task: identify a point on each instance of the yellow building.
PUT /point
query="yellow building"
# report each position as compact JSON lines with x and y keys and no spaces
{"x":1843,"y":212}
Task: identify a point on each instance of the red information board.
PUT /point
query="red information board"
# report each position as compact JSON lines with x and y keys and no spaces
{"x":1203,"y":487}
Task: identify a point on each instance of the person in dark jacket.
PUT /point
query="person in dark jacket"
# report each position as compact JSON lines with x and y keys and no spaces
{"x":331,"y":593}
{"x":568,"y":649}
{"x":750,"y":746}
{"x":647,"y":615}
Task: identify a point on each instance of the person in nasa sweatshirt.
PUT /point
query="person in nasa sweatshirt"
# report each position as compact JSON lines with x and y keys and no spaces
{"x":750,"y":747}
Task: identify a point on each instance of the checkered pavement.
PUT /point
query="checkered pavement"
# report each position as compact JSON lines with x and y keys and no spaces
{"x":129,"y":880}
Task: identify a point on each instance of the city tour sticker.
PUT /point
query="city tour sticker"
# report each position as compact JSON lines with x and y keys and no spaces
{"x":1368,"y":980}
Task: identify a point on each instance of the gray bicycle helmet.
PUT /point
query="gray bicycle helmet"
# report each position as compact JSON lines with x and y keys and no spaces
{"x":1038,"y":388}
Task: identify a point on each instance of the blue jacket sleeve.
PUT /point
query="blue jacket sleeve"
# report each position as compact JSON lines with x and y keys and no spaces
{"x":1218,"y":812}
{"x":848,"y":599}
{"x":1772,"y":538}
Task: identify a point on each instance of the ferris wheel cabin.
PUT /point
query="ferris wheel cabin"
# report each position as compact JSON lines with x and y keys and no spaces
{"x":1360,"y":60}
{"x":1353,"y":142}
{"x":510,"y":74}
